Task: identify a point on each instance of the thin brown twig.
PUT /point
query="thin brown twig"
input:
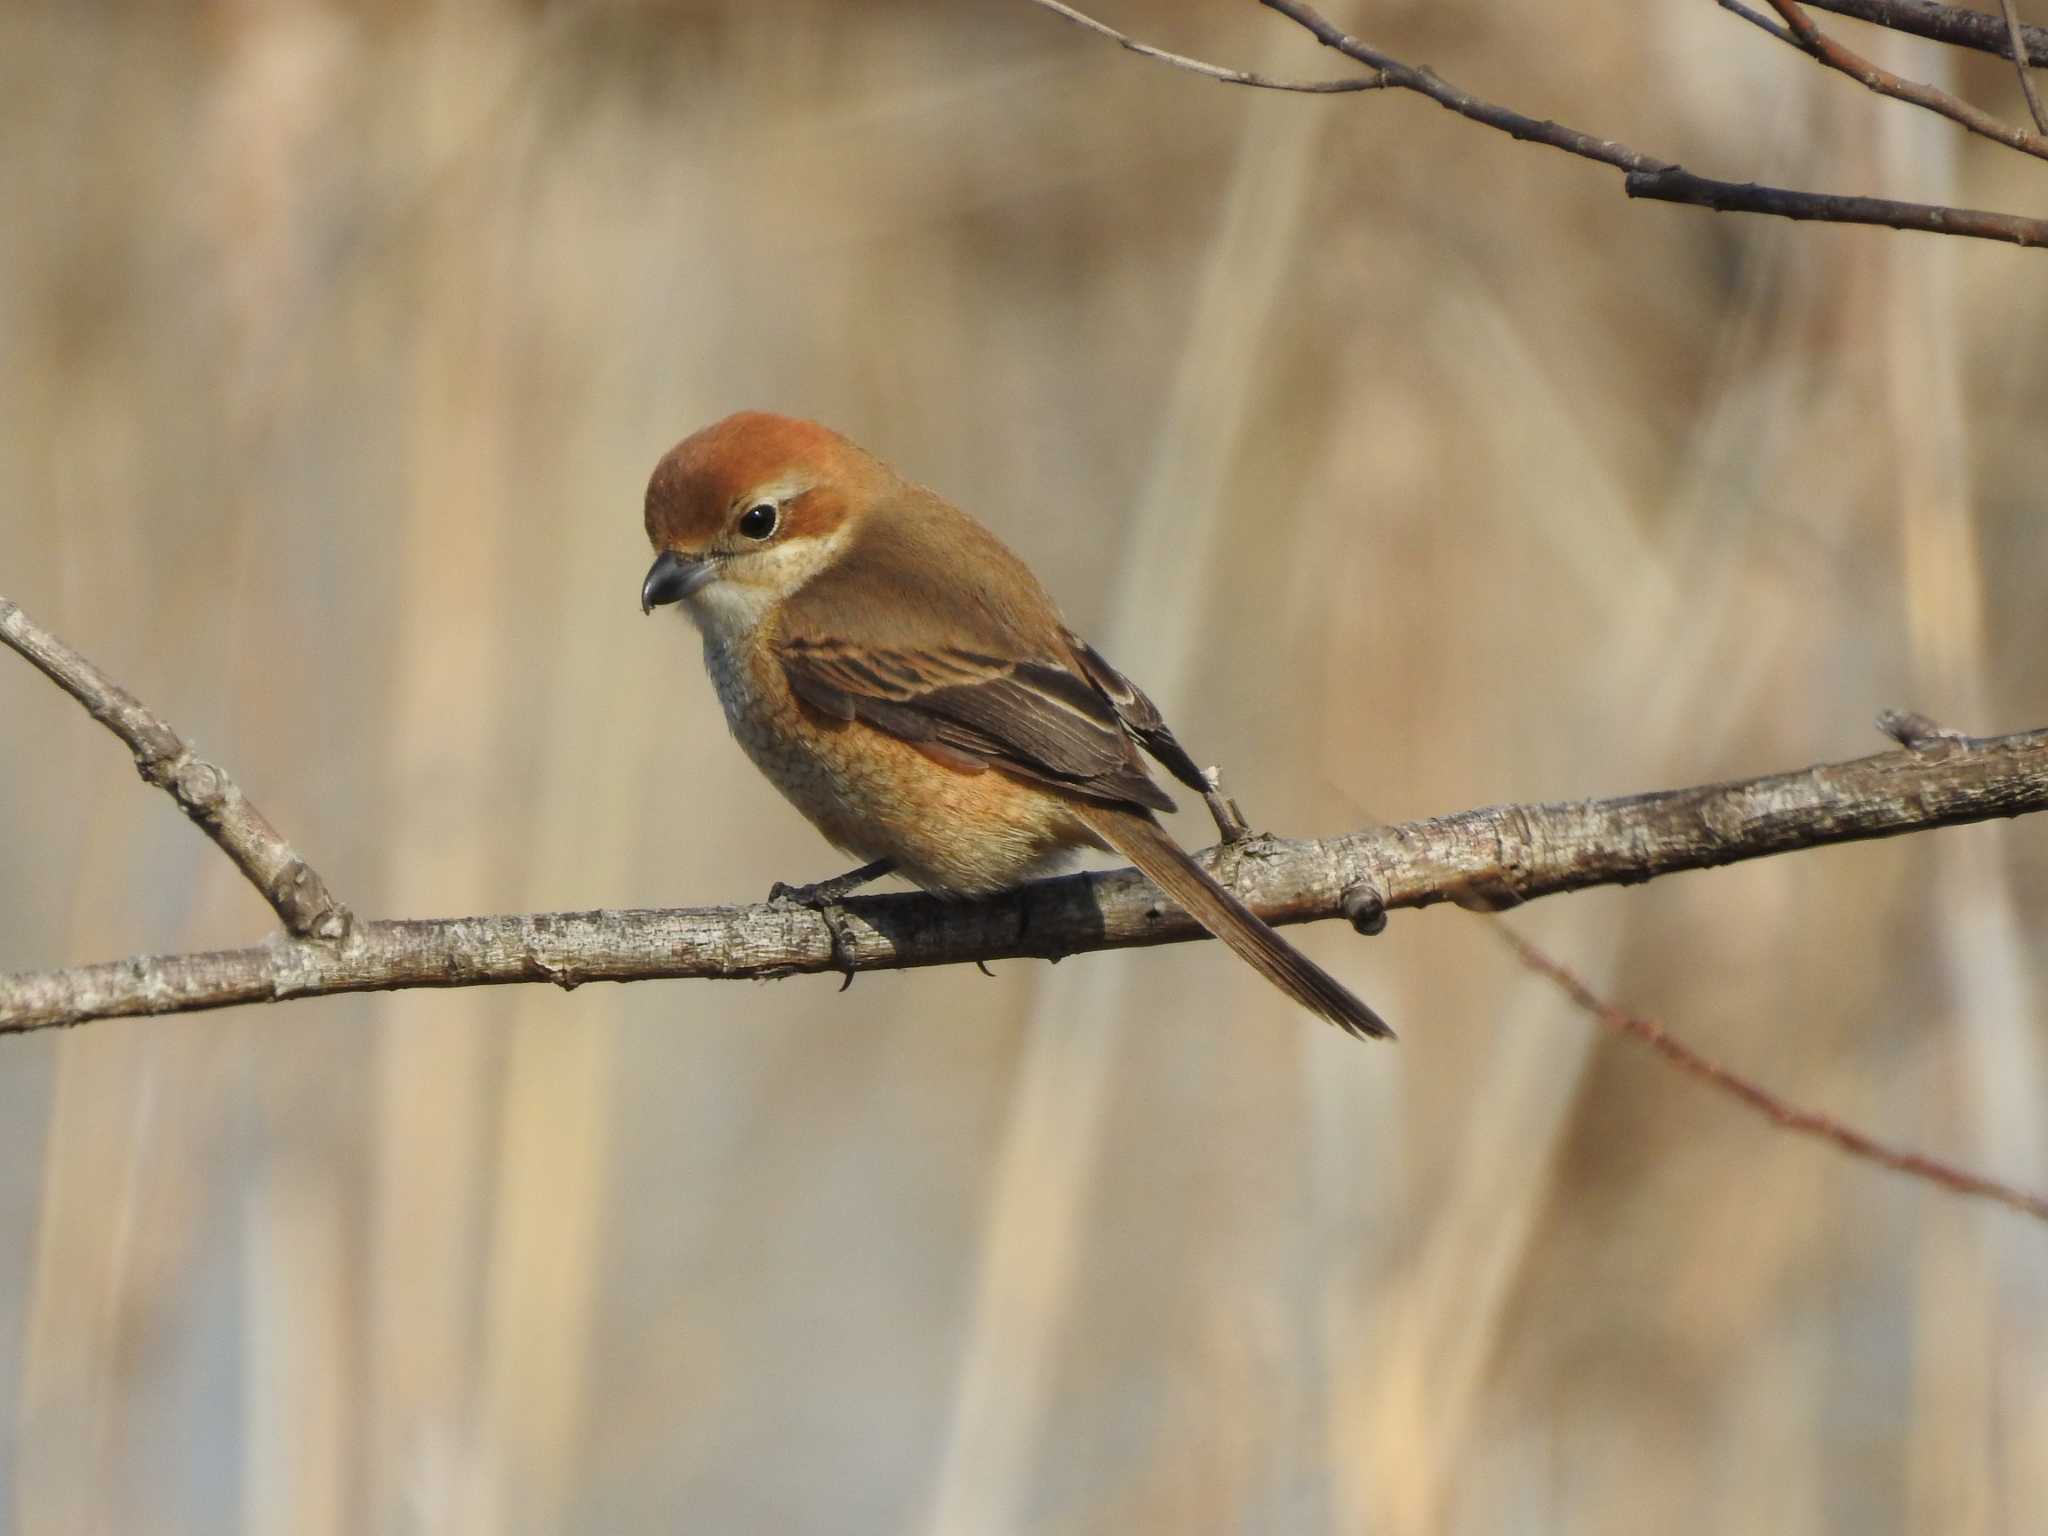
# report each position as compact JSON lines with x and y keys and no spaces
{"x":1206,"y":70}
{"x":1780,"y":1111}
{"x":1427,"y":82}
{"x":1646,"y":176}
{"x":202,"y":789}
{"x":1954,"y":25}
{"x":1758,"y":19}
{"x":2019,"y":60}
{"x":1818,"y":45}
{"x":1675,"y":184}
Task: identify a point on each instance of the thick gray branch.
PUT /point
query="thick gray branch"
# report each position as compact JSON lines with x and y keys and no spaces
{"x":203,"y":790}
{"x":1495,"y":857}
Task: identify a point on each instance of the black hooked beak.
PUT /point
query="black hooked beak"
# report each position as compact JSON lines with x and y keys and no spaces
{"x":671,"y":579}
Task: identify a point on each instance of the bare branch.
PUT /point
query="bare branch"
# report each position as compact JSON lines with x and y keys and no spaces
{"x":1758,"y":19}
{"x":1649,"y":177}
{"x":1872,"y":76}
{"x":1644,"y":175}
{"x":2017,"y":36}
{"x":1781,"y":1112}
{"x":202,"y":789}
{"x":1208,"y":71}
{"x":1427,"y":82}
{"x":1952,"y":24}
{"x":1490,"y":858}
{"x":1675,"y":184}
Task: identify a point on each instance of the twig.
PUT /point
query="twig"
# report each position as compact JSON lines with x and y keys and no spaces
{"x":1792,"y":1117}
{"x":1675,"y":184}
{"x":1208,"y":71}
{"x":1500,"y":856}
{"x":1872,"y":76}
{"x":1427,"y":82}
{"x":1758,"y":19}
{"x":1650,"y":178}
{"x":1646,"y":176}
{"x":1643,"y":175}
{"x":1951,"y":24}
{"x":202,"y":789}
{"x":2019,"y":50}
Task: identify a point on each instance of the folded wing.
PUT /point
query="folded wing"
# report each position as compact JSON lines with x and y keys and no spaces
{"x":1032,"y":718}
{"x":972,"y":681}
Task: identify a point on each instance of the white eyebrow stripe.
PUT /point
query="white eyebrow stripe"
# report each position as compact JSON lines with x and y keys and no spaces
{"x":777,"y":491}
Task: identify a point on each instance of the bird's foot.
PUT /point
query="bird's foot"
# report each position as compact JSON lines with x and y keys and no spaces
{"x":823,"y":898}
{"x":1230,"y":822}
{"x":1229,"y":819}
{"x":1232,"y":854}
{"x":1238,"y":838}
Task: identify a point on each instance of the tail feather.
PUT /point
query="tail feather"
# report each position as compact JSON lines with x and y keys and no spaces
{"x":1139,"y":838}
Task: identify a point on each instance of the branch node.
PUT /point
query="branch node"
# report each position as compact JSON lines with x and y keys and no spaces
{"x":562,"y":976}
{"x":199,"y":786}
{"x":1365,"y":907}
{"x":1917,"y":732}
{"x":309,"y":910}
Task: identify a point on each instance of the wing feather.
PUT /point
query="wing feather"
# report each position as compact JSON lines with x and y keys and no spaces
{"x":1140,"y":716}
{"x":972,"y":680}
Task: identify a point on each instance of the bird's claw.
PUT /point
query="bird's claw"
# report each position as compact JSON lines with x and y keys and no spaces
{"x":823,"y":899}
{"x":1230,"y":822}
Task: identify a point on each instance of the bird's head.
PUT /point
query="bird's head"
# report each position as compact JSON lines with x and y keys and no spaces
{"x":744,"y":512}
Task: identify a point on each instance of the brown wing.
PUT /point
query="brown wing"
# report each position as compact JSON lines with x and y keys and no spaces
{"x":1140,"y":716}
{"x":979,"y":673}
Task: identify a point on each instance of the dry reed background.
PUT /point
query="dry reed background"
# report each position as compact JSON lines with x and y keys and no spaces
{"x":1411,"y":469}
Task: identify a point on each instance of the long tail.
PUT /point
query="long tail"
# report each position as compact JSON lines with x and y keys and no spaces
{"x":1139,"y":838}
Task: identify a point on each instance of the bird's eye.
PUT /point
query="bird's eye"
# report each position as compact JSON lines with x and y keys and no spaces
{"x":759,"y":520}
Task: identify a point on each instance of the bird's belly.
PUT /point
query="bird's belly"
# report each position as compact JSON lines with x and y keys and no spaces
{"x":880,"y":798}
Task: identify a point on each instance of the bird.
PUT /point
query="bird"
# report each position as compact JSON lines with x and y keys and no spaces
{"x":905,"y":681}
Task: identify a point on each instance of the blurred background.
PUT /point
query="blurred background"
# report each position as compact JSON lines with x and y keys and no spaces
{"x":1410,"y":469}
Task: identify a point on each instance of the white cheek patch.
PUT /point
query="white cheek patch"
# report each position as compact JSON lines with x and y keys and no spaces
{"x":731,"y":606}
{"x":727,"y":610}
